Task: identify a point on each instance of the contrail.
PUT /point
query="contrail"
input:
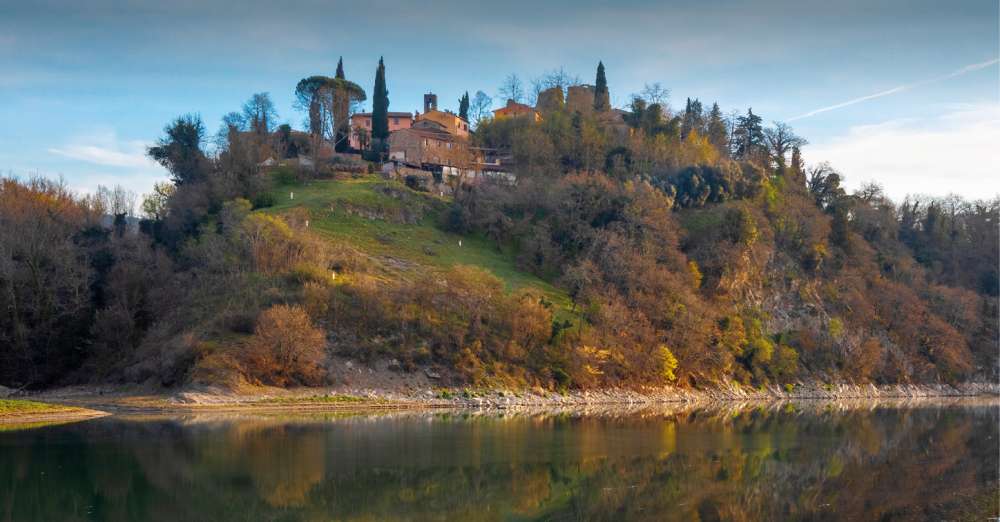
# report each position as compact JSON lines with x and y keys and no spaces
{"x":901,"y":88}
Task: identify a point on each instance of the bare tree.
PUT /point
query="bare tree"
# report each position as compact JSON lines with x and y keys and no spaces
{"x":479,"y":109}
{"x":259,"y":113}
{"x":780,"y":140}
{"x":511,"y":89}
{"x":117,"y":201}
{"x":549,"y":79}
{"x":655,"y":93}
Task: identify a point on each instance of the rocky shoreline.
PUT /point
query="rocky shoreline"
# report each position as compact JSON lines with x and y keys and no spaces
{"x":458,"y":397}
{"x":340,"y":398}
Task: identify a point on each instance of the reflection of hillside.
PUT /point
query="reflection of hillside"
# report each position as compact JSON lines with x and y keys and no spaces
{"x":784,"y":463}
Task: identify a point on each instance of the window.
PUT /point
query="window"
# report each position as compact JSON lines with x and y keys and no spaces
{"x":395,"y":121}
{"x":368,"y":123}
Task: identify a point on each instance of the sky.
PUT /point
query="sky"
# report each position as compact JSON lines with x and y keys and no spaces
{"x":905,"y":93}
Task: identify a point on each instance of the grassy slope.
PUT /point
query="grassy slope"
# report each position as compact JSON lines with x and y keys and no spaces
{"x":387,"y":240}
{"x":11,"y":407}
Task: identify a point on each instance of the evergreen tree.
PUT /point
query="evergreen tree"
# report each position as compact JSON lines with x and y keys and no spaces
{"x":686,"y":121}
{"x":798,"y":170}
{"x":341,"y":141}
{"x":602,"y":100}
{"x":463,"y":106}
{"x":693,"y":119}
{"x":716,"y":130}
{"x":749,"y":135}
{"x":180,"y":150}
{"x":380,"y":107}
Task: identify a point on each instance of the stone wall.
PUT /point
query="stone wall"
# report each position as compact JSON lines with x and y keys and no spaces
{"x":580,"y":99}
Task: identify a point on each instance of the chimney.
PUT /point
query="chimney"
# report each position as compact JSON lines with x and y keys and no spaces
{"x":430,"y":102}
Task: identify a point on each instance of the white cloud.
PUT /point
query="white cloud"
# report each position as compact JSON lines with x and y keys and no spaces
{"x":107,"y":150}
{"x":119,"y":162}
{"x":956,"y":152}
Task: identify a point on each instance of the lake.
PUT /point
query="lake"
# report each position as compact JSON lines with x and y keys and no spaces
{"x":806,"y":461}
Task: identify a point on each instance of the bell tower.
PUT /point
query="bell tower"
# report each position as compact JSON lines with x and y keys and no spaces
{"x":430,"y":102}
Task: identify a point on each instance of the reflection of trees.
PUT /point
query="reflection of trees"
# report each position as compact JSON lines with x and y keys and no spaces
{"x":284,"y":473}
{"x":751,"y":464}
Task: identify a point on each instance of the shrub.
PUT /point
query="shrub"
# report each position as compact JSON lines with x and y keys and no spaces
{"x":286,"y":348}
{"x":668,"y":363}
{"x":263,"y":200}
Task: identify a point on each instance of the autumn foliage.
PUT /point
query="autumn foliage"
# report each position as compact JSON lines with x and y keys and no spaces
{"x":687,"y":259}
{"x":286,"y":348}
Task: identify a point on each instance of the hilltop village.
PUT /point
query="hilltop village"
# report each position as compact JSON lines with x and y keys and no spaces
{"x":433,"y":146}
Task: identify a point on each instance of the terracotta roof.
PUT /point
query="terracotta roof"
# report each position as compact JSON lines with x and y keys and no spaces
{"x":433,"y":112}
{"x":513,"y":106}
{"x":389,"y":114}
{"x":429,"y":133}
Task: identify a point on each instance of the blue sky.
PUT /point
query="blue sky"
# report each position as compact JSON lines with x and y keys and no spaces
{"x":86,"y":85}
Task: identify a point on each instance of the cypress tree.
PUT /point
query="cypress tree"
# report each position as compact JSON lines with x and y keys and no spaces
{"x":463,"y":106}
{"x":798,"y":170}
{"x":602,"y":99}
{"x":686,"y":120}
{"x":380,"y":106}
{"x":341,"y":139}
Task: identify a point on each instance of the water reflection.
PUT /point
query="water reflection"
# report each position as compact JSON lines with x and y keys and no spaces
{"x":785,"y":463}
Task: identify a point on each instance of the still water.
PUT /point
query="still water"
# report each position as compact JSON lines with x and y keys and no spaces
{"x":790,"y":462}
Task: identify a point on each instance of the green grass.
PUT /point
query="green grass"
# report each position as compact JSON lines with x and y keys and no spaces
{"x":316,"y":399}
{"x":10,"y":407}
{"x":420,"y":246}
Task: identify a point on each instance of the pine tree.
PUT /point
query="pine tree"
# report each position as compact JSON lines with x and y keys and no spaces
{"x":463,"y":106}
{"x":716,"y":130}
{"x":602,"y":100}
{"x":340,"y":69}
{"x":686,"y":120}
{"x":693,"y":119}
{"x":380,"y":106}
{"x":749,"y":136}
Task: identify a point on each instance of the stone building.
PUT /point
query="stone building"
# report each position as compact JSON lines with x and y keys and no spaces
{"x":445,"y":120}
{"x":516,"y":110}
{"x":427,"y":146}
{"x":435,"y":141}
{"x":361,"y":126}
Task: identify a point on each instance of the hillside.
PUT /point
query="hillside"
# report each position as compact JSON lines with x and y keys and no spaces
{"x":624,"y":249}
{"x":399,"y":228}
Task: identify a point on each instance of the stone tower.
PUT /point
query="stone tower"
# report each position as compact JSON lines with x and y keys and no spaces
{"x":550,"y":100}
{"x":430,"y":102}
{"x":581,"y":98}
